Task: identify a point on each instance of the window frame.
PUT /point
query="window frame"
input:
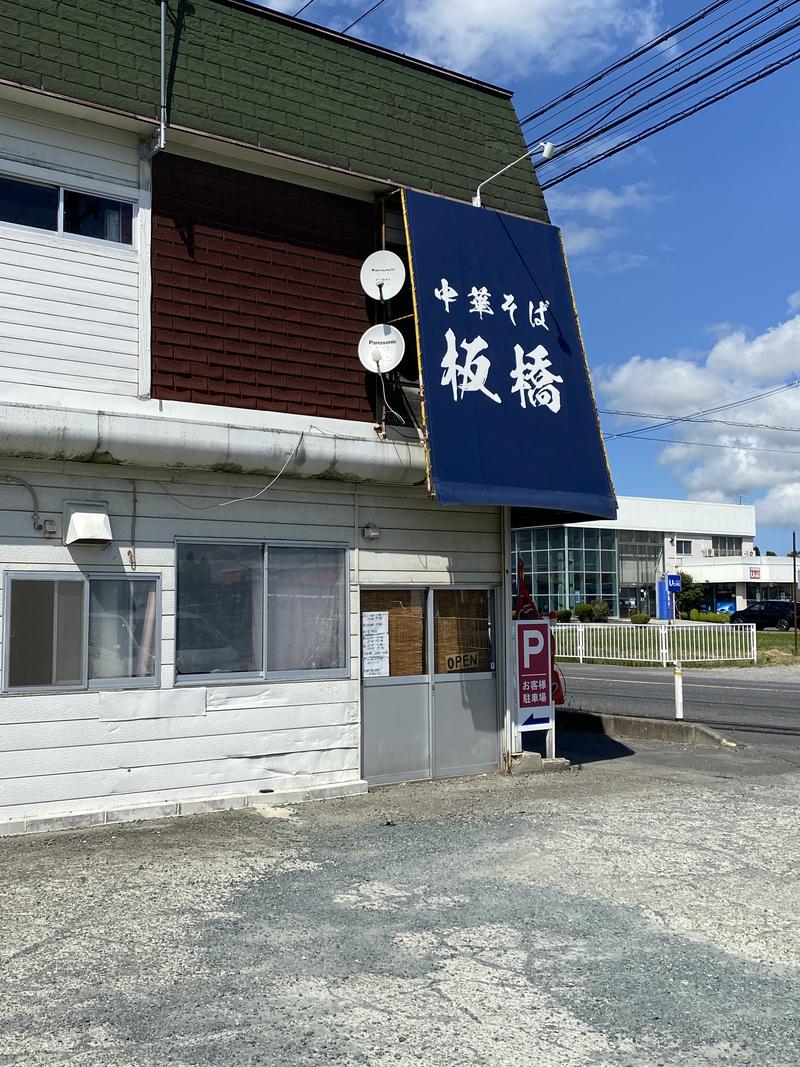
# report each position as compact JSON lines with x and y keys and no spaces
{"x":683,"y":541}
{"x":265,"y":675}
{"x":87,"y":685}
{"x":82,"y":188}
{"x":732,"y":549}
{"x":95,"y":684}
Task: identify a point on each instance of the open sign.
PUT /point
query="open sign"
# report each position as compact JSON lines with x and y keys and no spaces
{"x":464,"y":661}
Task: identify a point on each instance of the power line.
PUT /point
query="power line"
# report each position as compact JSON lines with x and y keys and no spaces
{"x":700,"y":421}
{"x":644,"y":62}
{"x":300,"y":11}
{"x":765,"y":72}
{"x":667,"y":70}
{"x":595,"y":78}
{"x":672,"y":419}
{"x":789,"y":43}
{"x":667,"y":109}
{"x":579,"y":140}
{"x":715,"y":444}
{"x":362,"y":17}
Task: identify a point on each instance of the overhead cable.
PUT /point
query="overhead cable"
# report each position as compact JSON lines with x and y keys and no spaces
{"x":765,"y":72}
{"x":603,"y":85}
{"x":729,"y":77}
{"x":579,"y":140}
{"x":642,"y":50}
{"x":700,"y":421}
{"x":673,"y":419}
{"x":726,"y":80}
{"x":686,"y":59}
{"x":716,"y":444}
{"x":362,"y":17}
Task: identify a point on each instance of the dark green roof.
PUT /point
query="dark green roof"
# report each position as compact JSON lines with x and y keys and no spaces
{"x":243,"y":73}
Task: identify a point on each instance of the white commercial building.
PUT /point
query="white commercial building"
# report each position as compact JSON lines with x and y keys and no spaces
{"x":621,"y":561}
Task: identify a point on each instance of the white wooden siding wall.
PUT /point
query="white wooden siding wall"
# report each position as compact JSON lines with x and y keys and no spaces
{"x":69,"y":309}
{"x":74,"y":752}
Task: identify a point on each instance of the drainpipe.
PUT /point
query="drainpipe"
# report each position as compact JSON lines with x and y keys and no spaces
{"x":161,"y":140}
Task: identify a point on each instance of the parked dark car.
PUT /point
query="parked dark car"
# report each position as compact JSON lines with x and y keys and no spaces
{"x":778,"y":613}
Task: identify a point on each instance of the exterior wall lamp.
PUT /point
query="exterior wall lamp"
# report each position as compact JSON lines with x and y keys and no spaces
{"x":547,"y":147}
{"x":371,"y":532}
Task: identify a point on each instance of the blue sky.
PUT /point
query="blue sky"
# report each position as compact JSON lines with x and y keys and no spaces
{"x":684,"y":252}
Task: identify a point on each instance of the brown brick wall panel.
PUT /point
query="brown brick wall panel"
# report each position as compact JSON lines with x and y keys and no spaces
{"x":256,"y":294}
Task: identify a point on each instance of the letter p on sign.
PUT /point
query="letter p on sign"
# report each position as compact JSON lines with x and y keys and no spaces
{"x":532,"y":646}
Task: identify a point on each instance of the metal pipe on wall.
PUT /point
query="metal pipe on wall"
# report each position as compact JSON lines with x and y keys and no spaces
{"x":162,"y":103}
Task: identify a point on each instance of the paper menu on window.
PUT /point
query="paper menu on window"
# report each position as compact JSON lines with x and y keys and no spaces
{"x":376,"y":666}
{"x":374,"y":622}
{"x":375,"y":644}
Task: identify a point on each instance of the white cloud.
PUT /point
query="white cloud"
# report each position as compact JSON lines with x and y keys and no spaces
{"x":793,"y":301}
{"x":772,"y":357}
{"x":516,"y":37}
{"x":601,"y":202}
{"x":781,"y":505}
{"x":333,"y":13}
{"x":739,"y":452}
{"x":587,"y":230}
{"x":617,"y":261}
{"x":286,"y":6}
{"x":580,"y":239}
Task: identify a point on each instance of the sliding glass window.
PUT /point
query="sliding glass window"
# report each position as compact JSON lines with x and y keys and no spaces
{"x":74,"y":632}
{"x":248,"y":611}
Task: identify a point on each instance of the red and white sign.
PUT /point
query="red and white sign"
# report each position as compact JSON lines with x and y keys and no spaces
{"x":534,"y":675}
{"x":755,"y":574}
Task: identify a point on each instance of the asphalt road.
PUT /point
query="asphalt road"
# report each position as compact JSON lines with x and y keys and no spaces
{"x":751,"y":706}
{"x":640,"y":912}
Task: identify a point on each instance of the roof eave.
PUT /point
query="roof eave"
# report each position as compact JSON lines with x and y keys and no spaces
{"x":366,"y":46}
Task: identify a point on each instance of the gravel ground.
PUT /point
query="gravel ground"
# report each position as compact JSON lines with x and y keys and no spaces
{"x":641,"y":911}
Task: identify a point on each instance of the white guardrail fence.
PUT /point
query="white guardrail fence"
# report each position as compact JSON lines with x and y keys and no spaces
{"x":660,"y":643}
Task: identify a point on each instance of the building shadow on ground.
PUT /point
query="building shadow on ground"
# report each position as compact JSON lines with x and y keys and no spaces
{"x":579,"y":747}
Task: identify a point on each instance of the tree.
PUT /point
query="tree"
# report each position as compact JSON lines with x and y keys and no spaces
{"x":756,"y":550}
{"x":692,"y":593}
{"x":772,"y":553}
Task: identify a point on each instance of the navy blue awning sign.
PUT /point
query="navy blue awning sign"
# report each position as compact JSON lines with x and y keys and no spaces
{"x":509,"y":413}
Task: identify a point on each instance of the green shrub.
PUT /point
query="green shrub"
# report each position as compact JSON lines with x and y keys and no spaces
{"x":640,"y":620}
{"x":564,"y":615}
{"x":708,"y":616}
{"x":583,"y":612}
{"x":600,"y":610}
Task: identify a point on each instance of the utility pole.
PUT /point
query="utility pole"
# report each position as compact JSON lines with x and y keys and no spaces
{"x":794,"y":586}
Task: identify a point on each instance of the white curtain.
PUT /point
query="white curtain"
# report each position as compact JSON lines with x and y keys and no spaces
{"x":306,"y":624}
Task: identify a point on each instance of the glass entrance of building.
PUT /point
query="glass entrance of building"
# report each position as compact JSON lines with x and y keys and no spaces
{"x":568,"y":566}
{"x":641,"y":561}
{"x":429,"y":684}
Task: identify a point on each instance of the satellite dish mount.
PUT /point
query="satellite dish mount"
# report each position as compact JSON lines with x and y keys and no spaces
{"x":382,"y":347}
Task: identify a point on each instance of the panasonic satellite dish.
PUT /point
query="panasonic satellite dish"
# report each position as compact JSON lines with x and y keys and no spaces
{"x":383,"y":275}
{"x":381,"y":349}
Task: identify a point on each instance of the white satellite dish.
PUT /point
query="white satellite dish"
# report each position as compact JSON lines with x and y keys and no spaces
{"x":381,"y":349}
{"x":383,"y":275}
